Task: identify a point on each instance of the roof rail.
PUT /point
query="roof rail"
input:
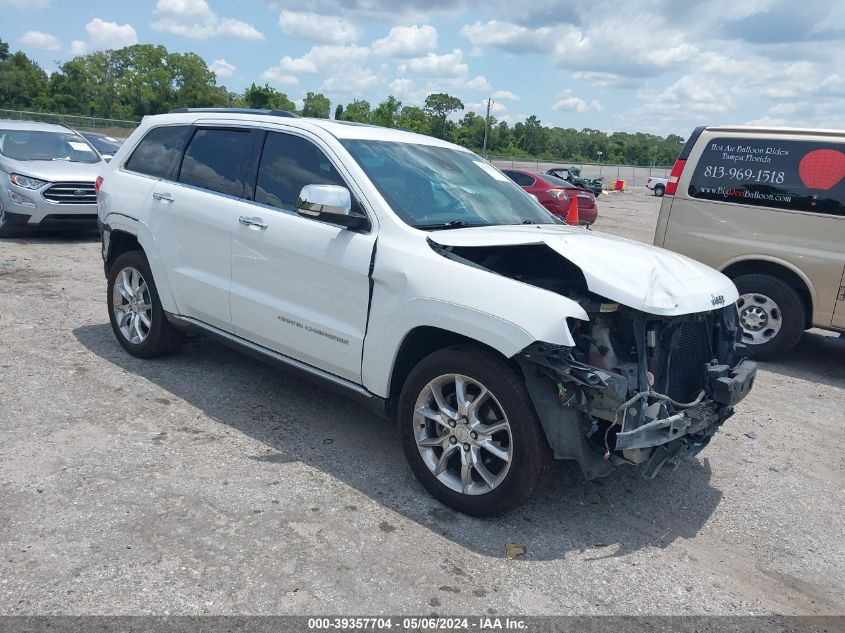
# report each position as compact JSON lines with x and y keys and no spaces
{"x":281,"y":113}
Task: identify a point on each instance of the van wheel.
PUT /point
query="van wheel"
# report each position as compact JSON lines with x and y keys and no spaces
{"x":659,"y":190}
{"x":771,"y":314}
{"x":135,"y":311}
{"x":470,"y":433}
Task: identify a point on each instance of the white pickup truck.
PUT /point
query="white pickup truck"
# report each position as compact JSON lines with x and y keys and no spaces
{"x":657,"y":185}
{"x":412,"y":275}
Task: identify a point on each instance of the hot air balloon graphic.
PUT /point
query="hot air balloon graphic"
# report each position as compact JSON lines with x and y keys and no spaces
{"x":822,"y":168}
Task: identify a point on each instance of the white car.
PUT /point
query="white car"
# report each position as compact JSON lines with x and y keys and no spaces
{"x":410,"y":274}
{"x":657,"y":185}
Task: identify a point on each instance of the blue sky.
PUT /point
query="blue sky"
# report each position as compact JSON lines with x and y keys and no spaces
{"x":658,"y":66}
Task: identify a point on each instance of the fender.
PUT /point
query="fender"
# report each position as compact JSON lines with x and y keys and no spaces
{"x":114,"y":221}
{"x":502,"y":313}
{"x":754,"y":257}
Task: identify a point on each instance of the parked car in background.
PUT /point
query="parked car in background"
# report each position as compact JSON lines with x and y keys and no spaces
{"x":766,"y":206}
{"x":556,"y":194}
{"x":106,"y":145}
{"x":657,"y":185}
{"x":47,"y":176}
{"x":412,"y":275}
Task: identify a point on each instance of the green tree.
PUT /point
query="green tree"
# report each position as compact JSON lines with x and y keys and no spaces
{"x":316,"y":105}
{"x":267,"y":98}
{"x":338,"y":112}
{"x":23,"y":84}
{"x":387,"y":112}
{"x":358,"y":111}
{"x":414,"y":119}
{"x":440,"y":106}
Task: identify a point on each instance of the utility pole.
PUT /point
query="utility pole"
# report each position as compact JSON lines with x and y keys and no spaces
{"x":486,"y":125}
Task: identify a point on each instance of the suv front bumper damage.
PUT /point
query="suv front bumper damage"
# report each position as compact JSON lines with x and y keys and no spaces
{"x":647,"y":429}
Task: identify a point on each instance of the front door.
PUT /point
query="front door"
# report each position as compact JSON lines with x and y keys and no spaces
{"x":300,"y":286}
{"x":839,"y":310}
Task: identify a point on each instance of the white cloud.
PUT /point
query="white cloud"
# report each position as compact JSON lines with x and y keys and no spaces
{"x":571,"y":103}
{"x":505,"y":95}
{"x":39,"y":39}
{"x":478,"y":83}
{"x":277,"y":76}
{"x":508,"y":36}
{"x":343,"y":67}
{"x":318,"y":28}
{"x":437,"y":66}
{"x":406,"y":41}
{"x":222,"y":68}
{"x":194,"y":19}
{"x":105,"y":36}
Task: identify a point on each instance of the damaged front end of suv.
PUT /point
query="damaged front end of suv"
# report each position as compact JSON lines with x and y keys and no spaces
{"x":652,"y":373}
{"x":637,"y":389}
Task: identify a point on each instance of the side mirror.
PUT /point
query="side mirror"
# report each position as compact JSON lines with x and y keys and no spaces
{"x":329,"y":203}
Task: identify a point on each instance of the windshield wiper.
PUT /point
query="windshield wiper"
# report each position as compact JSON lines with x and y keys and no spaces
{"x":453,"y":224}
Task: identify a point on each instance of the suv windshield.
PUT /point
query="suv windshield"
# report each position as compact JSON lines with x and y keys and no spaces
{"x":39,"y":145}
{"x":438,"y":187}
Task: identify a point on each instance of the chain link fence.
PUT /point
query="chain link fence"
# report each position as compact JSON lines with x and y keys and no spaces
{"x":633,"y":175}
{"x":113,"y":127}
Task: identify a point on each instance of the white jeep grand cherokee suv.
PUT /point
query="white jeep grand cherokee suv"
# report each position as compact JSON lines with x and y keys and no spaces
{"x":412,"y":275}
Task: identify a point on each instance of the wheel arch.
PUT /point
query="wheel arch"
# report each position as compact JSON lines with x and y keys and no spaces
{"x":786,"y":272}
{"x":422,"y":341}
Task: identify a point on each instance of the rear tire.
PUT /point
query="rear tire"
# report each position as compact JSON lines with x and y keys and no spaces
{"x":137,"y":318}
{"x":771,"y":314}
{"x":498,"y":480}
{"x":659,"y":190}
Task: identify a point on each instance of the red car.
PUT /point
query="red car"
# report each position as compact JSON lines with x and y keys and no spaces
{"x":556,"y":194}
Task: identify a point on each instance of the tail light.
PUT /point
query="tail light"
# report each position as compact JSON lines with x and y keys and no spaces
{"x":674,"y":177}
{"x":560,"y":194}
{"x":97,"y":184}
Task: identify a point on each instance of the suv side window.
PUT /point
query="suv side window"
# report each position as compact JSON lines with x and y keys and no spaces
{"x":159,"y":151}
{"x":785,"y":174}
{"x":288,"y":163}
{"x":215,"y":160}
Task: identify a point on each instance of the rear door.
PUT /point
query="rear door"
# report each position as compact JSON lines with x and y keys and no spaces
{"x":193,"y":217}
{"x":301,"y":286}
{"x":839,"y":311}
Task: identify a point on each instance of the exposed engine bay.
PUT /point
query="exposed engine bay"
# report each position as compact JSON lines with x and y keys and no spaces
{"x":636,"y":388}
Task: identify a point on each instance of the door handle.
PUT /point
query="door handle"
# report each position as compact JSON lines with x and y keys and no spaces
{"x":252,"y":221}
{"x":162,"y":196}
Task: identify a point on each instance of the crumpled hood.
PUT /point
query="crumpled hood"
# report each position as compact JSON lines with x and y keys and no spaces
{"x":641,"y":276}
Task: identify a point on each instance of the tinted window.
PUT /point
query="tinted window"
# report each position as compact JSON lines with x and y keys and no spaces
{"x":159,"y":151}
{"x":523,"y":180}
{"x":215,"y":159}
{"x":786,"y":174}
{"x":288,"y":163}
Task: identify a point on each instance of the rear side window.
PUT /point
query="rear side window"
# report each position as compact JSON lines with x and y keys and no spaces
{"x":215,"y":160}
{"x":288,"y":163}
{"x":785,"y":174}
{"x":159,"y":151}
{"x":523,"y":180}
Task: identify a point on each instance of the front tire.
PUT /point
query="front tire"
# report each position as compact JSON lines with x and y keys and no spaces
{"x":135,"y":311}
{"x":7,"y":229}
{"x":771,"y":314}
{"x":470,"y":433}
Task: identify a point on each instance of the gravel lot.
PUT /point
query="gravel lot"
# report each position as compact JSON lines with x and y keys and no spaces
{"x":208,"y":482}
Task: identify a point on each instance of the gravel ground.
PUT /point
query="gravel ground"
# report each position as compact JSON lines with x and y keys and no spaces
{"x":208,"y":482}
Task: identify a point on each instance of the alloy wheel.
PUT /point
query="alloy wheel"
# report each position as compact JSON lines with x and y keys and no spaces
{"x":132,"y":305}
{"x":760,"y":318}
{"x":463,"y":434}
